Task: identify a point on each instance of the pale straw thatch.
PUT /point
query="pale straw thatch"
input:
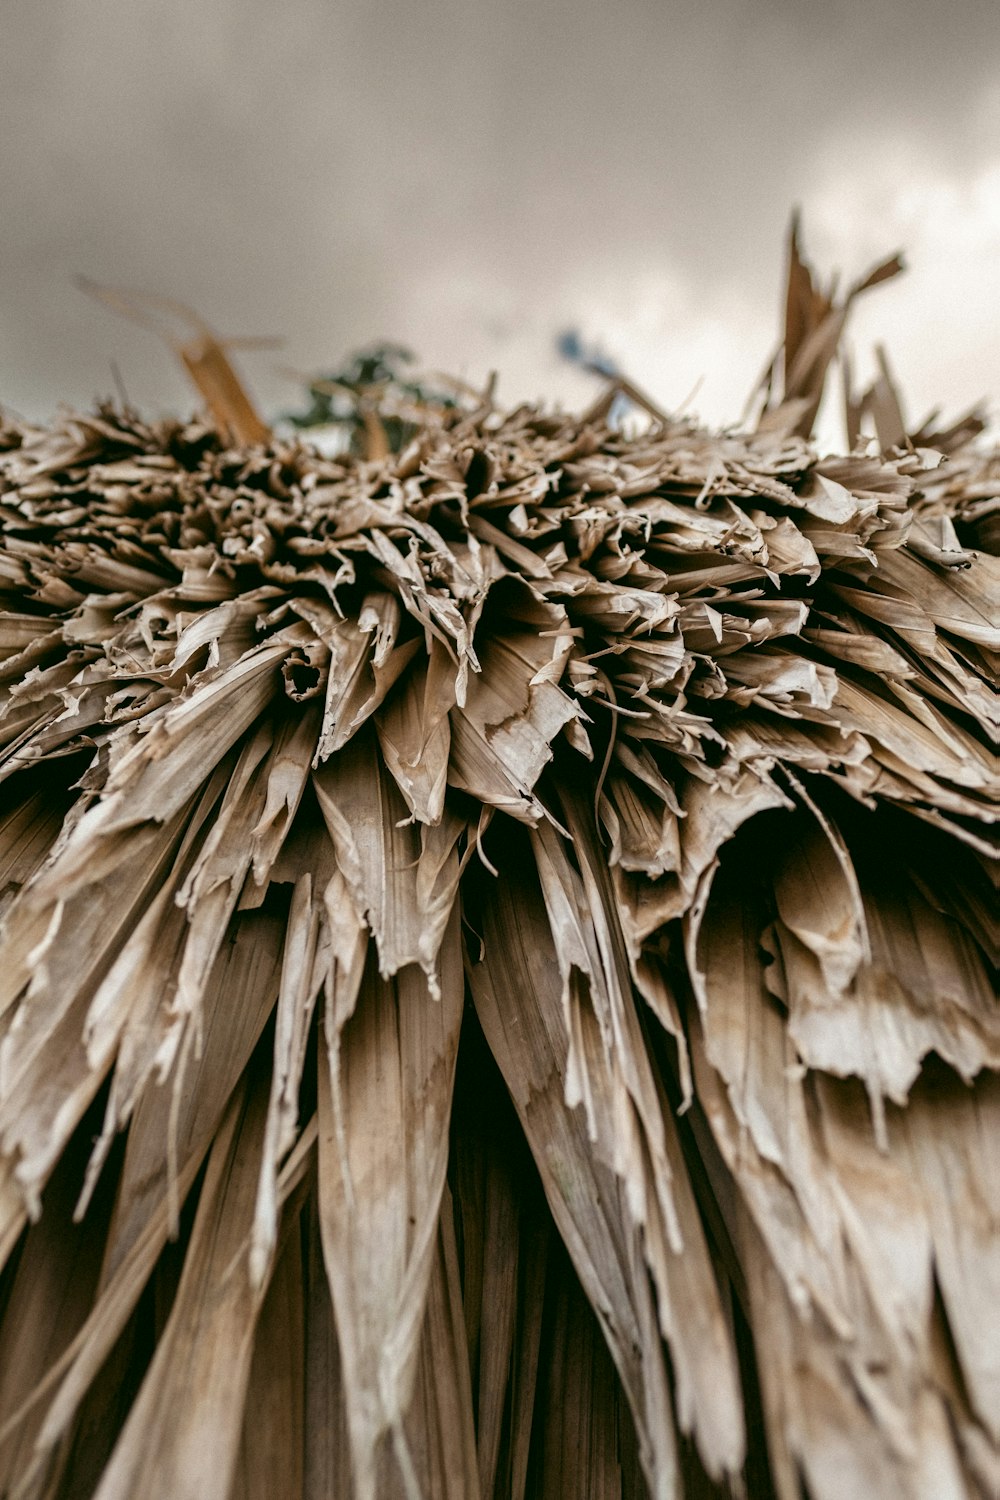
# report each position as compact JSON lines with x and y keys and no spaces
{"x":495,"y":993}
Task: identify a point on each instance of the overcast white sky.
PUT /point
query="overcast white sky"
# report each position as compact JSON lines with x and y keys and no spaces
{"x":470,"y":178}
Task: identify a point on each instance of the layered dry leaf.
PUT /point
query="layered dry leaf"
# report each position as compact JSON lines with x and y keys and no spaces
{"x":548,"y":833}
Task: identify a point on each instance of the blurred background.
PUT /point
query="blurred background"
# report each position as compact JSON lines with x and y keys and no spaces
{"x":478,"y":181}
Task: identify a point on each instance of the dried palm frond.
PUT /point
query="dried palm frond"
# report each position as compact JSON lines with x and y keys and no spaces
{"x":496,"y":958}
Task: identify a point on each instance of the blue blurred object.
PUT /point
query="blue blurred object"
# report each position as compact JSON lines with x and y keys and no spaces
{"x":593,"y":359}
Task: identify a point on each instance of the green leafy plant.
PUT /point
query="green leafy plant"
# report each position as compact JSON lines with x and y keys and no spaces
{"x":372,"y":383}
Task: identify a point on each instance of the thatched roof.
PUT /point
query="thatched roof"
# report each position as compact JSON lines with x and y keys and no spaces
{"x":495,"y":992}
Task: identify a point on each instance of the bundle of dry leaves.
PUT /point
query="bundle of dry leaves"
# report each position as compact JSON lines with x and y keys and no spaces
{"x":495,"y":994}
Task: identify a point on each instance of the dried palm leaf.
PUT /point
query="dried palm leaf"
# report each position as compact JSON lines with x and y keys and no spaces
{"x":497,"y":946}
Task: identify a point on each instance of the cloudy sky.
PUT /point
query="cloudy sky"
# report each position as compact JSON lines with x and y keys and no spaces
{"x":470,"y":178}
